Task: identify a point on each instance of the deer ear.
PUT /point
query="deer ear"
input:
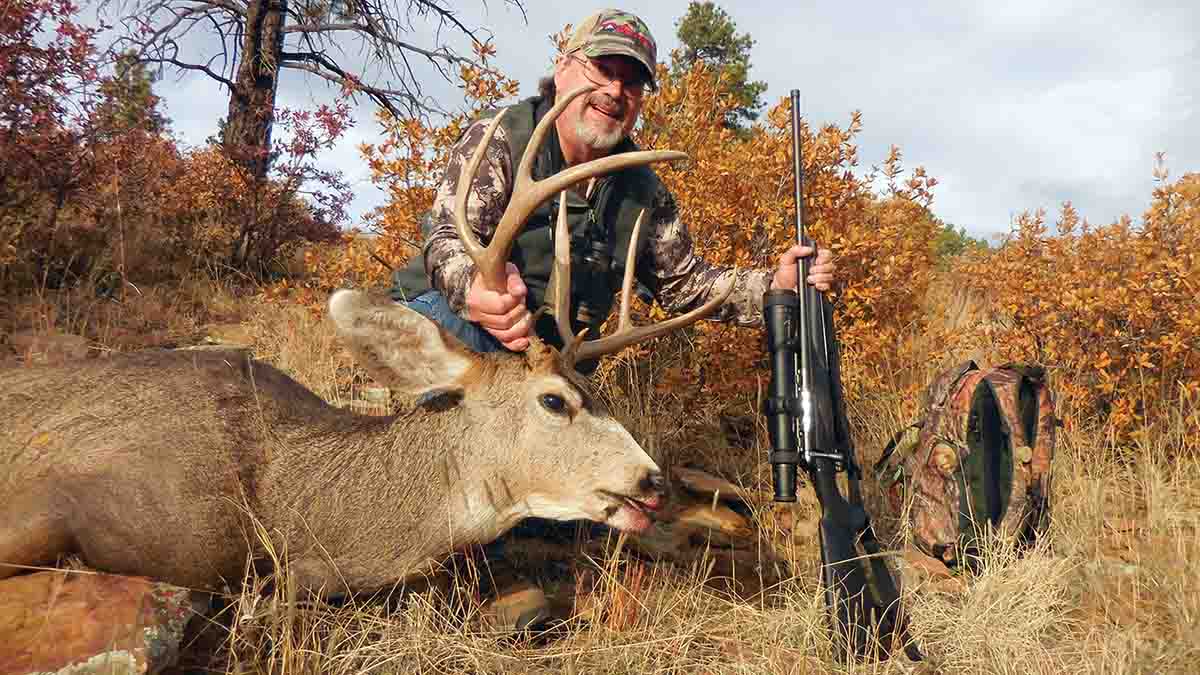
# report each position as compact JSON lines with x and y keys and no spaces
{"x":397,"y":345}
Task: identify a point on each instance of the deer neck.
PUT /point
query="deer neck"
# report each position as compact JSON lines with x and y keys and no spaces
{"x":420,"y":463}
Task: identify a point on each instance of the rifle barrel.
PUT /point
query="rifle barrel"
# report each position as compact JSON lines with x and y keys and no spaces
{"x":804,"y":383}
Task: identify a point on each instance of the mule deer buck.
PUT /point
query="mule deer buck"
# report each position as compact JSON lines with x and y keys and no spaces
{"x":166,"y":464}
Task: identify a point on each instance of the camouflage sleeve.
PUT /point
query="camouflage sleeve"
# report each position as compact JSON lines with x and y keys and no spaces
{"x":449,"y":267}
{"x":681,"y":280}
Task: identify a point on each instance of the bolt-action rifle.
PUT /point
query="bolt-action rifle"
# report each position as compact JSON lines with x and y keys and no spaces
{"x":806,"y":416}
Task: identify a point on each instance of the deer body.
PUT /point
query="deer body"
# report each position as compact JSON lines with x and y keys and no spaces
{"x":146,"y":464}
{"x":187,"y":466}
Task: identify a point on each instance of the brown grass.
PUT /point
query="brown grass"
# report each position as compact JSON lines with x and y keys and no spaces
{"x":1113,"y":588}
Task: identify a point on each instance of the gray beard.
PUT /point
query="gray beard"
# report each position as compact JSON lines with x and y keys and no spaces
{"x":594,"y":139}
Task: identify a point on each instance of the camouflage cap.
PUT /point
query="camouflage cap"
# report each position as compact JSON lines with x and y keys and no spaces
{"x":613,"y":31}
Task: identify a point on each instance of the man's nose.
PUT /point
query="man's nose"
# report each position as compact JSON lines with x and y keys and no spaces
{"x":613,"y":89}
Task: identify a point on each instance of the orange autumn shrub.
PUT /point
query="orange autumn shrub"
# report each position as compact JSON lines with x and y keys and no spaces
{"x":95,"y":192}
{"x":1111,"y":310}
{"x":736,"y":194}
{"x":123,"y":220}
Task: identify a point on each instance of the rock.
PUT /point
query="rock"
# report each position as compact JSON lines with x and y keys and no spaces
{"x":83,"y":623}
{"x":229,"y":334}
{"x":801,"y":526}
{"x":380,"y":395}
{"x":705,"y":484}
{"x":367,"y":408}
{"x":53,"y":347}
{"x":930,"y":573}
{"x":722,"y":525}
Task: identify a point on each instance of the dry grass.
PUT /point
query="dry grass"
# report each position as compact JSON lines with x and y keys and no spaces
{"x":135,"y":318}
{"x":1112,"y":588}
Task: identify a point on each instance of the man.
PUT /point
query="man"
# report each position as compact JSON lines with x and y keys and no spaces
{"x":614,"y":51}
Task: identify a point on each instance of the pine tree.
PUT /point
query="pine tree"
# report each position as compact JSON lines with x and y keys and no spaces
{"x":709,"y":35}
{"x":129,"y":101}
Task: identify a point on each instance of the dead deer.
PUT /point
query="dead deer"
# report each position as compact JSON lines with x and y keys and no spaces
{"x":184,"y":465}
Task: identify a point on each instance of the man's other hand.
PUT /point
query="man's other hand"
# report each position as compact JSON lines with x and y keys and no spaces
{"x":819,"y":275}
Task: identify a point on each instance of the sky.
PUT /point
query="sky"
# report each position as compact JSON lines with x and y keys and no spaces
{"x":1012,"y":106}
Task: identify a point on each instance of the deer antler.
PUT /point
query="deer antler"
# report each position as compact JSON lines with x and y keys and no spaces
{"x":528,"y":194}
{"x":575,"y":348}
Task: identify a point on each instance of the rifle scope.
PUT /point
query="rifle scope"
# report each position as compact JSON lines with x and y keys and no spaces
{"x":781,"y":406}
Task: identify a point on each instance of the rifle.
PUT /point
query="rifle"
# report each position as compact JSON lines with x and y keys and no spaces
{"x":806,"y":416}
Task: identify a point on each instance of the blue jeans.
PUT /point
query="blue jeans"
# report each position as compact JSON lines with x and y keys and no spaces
{"x":434,"y":306}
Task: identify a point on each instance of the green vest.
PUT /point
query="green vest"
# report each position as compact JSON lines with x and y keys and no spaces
{"x":600,"y":230}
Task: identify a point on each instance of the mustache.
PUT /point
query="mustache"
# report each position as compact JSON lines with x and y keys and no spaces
{"x":608,"y":103}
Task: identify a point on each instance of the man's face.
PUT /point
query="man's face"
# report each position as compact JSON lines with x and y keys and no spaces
{"x":602,"y":118}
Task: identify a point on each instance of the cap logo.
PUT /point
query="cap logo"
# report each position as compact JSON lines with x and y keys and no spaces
{"x":627,"y":30}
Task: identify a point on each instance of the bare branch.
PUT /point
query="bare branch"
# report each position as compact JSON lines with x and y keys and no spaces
{"x":448,"y":16}
{"x":379,"y":24}
{"x":376,"y":33}
{"x":160,"y":44}
{"x":328,"y":70}
{"x":191,"y":66}
{"x":443,"y":53}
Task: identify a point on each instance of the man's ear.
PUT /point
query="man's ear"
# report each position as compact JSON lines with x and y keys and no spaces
{"x":398,"y":346}
{"x":560,"y":63}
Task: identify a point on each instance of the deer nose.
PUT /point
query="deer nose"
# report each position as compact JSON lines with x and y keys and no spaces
{"x":656,"y":481}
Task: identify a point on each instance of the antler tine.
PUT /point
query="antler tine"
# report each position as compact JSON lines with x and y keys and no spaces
{"x":627,"y":282}
{"x":579,"y":350}
{"x":561,"y":296}
{"x":561,"y":299}
{"x":488,"y":262}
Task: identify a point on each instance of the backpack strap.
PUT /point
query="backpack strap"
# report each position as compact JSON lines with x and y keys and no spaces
{"x":934,"y":398}
{"x":894,"y":444}
{"x":1025,"y":411}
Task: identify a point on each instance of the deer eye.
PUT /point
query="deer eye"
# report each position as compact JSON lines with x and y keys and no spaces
{"x":554,"y":403}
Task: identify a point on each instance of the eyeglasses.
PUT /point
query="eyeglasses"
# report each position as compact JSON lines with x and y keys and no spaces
{"x":602,"y":76}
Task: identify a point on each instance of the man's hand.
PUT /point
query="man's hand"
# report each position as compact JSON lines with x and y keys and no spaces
{"x":504,"y":315}
{"x":819,"y":275}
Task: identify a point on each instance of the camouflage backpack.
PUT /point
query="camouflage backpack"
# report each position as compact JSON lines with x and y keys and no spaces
{"x":979,"y":456}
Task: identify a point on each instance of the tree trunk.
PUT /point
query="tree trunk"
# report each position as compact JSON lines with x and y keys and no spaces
{"x":247,"y":137}
{"x":252,"y":102}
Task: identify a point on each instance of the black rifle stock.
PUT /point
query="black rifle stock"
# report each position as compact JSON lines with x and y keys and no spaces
{"x":807,"y":421}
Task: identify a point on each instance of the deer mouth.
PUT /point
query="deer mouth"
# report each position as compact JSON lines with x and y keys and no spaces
{"x":631,"y":513}
{"x":648,"y":506}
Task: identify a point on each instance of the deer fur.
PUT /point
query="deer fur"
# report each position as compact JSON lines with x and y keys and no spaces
{"x":184,"y":465}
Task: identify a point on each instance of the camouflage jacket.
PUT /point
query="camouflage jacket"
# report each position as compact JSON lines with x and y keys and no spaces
{"x":667,"y":266}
